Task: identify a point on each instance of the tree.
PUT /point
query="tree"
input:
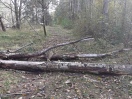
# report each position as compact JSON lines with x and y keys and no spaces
{"x":16,"y":7}
{"x":37,"y":11}
{"x":44,"y":8}
{"x":1,"y":24}
{"x":109,"y":20}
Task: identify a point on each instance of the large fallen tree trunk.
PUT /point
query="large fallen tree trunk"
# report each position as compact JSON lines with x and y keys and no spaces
{"x":96,"y":68}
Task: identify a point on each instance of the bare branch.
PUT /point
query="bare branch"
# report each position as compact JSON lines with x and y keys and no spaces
{"x":22,"y":47}
{"x":8,"y":6}
{"x":38,"y":53}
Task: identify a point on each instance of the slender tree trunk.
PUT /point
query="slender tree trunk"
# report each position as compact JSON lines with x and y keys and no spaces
{"x":17,"y":14}
{"x":2,"y":25}
{"x":12,"y":14}
{"x":105,"y":17}
{"x":43,"y":17}
{"x":123,"y":24}
{"x":36,"y":15}
{"x":19,"y":9}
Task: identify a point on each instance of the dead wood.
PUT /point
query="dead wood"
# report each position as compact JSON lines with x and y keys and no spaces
{"x":64,"y":57}
{"x":22,"y":47}
{"x":79,"y":67}
{"x":17,"y":56}
{"x":42,"y":53}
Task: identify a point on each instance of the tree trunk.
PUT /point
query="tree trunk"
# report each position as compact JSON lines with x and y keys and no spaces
{"x":17,"y":14}
{"x":105,"y":17}
{"x":43,"y":16}
{"x":20,"y":11}
{"x":95,"y":68}
{"x":12,"y":17}
{"x":124,"y":24}
{"x":2,"y":25}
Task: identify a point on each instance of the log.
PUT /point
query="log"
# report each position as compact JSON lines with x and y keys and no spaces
{"x":79,"y":67}
{"x":9,"y":55}
{"x":67,"y":57}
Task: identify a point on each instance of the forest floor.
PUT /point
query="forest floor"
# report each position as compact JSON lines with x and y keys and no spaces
{"x":26,"y":85}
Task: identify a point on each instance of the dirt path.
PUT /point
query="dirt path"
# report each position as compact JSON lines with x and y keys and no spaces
{"x":57,"y":35}
{"x":24,"y":85}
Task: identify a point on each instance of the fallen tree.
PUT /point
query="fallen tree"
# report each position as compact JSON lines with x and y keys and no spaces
{"x":65,"y":57}
{"x":79,"y":67}
{"x":68,"y":57}
{"x":8,"y":61}
{"x":10,"y":55}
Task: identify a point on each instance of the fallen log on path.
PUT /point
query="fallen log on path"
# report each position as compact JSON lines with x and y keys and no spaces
{"x":79,"y":67}
{"x":10,"y":55}
{"x":67,"y":57}
{"x":7,"y":55}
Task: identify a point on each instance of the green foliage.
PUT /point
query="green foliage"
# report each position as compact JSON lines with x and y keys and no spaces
{"x":116,"y":36}
{"x":82,"y":27}
{"x":66,"y":23}
{"x":110,"y":21}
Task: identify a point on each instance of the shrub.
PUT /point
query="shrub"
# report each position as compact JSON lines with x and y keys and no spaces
{"x":66,"y":23}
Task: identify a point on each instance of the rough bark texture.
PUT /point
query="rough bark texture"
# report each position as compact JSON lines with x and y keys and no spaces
{"x":96,"y":68}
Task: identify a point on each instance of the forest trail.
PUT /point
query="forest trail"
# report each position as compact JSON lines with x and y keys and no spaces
{"x":58,"y":35}
{"x":26,"y":85}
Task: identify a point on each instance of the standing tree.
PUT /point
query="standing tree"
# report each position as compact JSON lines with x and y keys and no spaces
{"x":44,"y":6}
{"x":38,"y":12}
{"x":16,"y":7}
{"x":1,"y":24}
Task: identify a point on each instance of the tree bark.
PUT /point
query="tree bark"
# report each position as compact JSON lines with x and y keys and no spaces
{"x":124,"y":31}
{"x":2,"y":25}
{"x":43,"y":16}
{"x":18,"y":13}
{"x":8,"y":55}
{"x":95,"y":68}
{"x":67,"y":57}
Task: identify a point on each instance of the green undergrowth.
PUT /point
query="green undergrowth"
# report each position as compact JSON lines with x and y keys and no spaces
{"x":14,"y":39}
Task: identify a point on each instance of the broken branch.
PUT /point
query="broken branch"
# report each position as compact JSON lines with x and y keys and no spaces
{"x":38,"y":53}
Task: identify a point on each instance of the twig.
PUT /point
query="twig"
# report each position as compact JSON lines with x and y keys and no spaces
{"x":38,"y":53}
{"x":22,"y":47}
{"x":63,"y":44}
{"x":11,"y":94}
{"x":31,"y":26}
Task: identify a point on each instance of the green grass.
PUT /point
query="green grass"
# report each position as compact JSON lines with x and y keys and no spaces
{"x":13,"y":39}
{"x":82,"y":84}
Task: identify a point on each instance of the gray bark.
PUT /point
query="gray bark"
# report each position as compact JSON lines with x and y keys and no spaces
{"x":2,"y":25}
{"x":95,"y":68}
